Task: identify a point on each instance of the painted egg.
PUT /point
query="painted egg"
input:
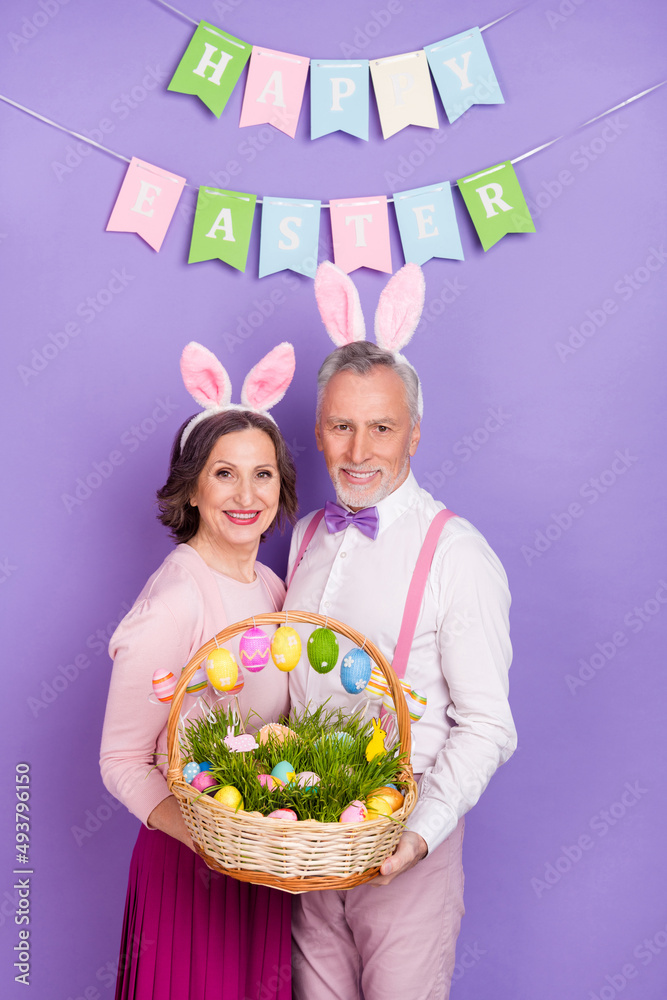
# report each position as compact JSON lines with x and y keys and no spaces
{"x":377,"y":684}
{"x":197,"y":682}
{"x":322,"y":650}
{"x":391,"y":796}
{"x":269,"y":782}
{"x":205,"y":765}
{"x":308,"y":780}
{"x":238,"y":687}
{"x":254,"y":649}
{"x":221,"y":669}
{"x":203,"y":781}
{"x":164,"y":684}
{"x":354,"y":813}
{"x":284,"y":772}
{"x":355,"y":670}
{"x":286,"y":647}
{"x":275,"y":729}
{"x":416,"y":704}
{"x":287,"y":814}
{"x":344,"y":738}
{"x":190,"y":771}
{"x":230,"y":797}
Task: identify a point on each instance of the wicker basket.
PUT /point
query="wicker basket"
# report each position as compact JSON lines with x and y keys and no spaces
{"x":295,"y":857}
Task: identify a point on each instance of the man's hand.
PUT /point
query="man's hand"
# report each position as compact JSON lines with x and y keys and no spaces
{"x":411,"y":849}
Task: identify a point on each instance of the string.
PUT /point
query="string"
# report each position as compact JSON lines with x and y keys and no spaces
{"x":516,"y":159}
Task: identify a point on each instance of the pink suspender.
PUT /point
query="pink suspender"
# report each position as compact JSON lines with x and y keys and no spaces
{"x":416,"y":592}
{"x":310,"y":531}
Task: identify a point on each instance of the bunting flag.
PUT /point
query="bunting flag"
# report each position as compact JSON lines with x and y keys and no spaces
{"x":403,"y":92}
{"x":222,"y":226}
{"x":211,"y":66}
{"x":427,"y":223}
{"x":339,"y":97}
{"x":289,"y":236}
{"x":360,"y":231}
{"x":274,"y":90}
{"x":463,"y":73}
{"x":146,"y":202}
{"x":496,"y":203}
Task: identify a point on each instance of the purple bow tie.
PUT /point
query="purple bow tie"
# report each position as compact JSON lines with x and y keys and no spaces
{"x":337,"y":519}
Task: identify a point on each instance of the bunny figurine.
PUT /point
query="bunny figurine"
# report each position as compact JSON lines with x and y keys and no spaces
{"x":375,"y":746}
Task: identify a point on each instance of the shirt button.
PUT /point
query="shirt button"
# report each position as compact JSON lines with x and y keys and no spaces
{"x":327,"y":603}
{"x":343,"y":554}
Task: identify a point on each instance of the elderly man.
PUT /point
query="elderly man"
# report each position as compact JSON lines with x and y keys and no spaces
{"x":396,"y":936}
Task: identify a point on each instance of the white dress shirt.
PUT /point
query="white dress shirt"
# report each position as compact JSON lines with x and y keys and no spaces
{"x":461,"y":651}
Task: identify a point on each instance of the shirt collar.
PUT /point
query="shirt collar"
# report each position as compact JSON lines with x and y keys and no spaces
{"x":406,"y":497}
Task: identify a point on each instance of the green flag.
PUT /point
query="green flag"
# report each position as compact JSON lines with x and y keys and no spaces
{"x":211,"y":66}
{"x":496,"y":204}
{"x":222,"y":225}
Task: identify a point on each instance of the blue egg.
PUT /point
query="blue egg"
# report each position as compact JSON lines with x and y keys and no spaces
{"x":205,"y":765}
{"x":355,"y":670}
{"x":284,"y":772}
{"x":191,"y":771}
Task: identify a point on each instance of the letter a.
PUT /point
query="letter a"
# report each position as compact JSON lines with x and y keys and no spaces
{"x":224,"y":226}
{"x":274,"y":86}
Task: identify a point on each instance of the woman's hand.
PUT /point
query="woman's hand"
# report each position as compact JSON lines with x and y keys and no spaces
{"x":167,"y":817}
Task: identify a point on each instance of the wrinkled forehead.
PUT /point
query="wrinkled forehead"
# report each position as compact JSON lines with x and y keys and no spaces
{"x":378,"y":395}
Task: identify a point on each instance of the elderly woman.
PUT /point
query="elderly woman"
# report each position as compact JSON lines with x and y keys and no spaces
{"x":189,"y":932}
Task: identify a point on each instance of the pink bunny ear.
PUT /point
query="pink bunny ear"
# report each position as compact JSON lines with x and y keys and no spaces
{"x":338,"y":302}
{"x":400,"y":307}
{"x":204,"y":377}
{"x":266,"y":383}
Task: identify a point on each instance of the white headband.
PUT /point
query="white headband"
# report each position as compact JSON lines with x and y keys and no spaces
{"x":209,"y":384}
{"x":398,"y":313}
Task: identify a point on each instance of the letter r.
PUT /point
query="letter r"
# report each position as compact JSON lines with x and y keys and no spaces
{"x":492,"y":194}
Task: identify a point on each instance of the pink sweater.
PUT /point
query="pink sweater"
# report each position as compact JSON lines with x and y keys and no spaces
{"x":180,"y":608}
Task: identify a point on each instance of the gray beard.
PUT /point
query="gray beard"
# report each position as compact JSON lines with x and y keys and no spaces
{"x":361,"y":498}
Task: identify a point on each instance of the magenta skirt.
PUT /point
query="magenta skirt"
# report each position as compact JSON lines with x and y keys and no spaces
{"x":190,"y":932}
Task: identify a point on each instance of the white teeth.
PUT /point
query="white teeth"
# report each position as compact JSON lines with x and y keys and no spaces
{"x":242,"y":517}
{"x":360,"y":475}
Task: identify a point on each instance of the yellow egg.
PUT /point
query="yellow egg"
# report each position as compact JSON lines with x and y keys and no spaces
{"x":286,"y":648}
{"x":391,"y":796}
{"x":230,"y":797}
{"x":221,"y":669}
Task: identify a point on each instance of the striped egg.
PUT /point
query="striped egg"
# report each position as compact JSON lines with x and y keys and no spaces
{"x":221,"y":669}
{"x":286,"y":648}
{"x":164,"y":684}
{"x":415,"y":700}
{"x":355,"y":670}
{"x":197,"y":682}
{"x":322,"y":650}
{"x":377,"y":684}
{"x":254,"y":649}
{"x":238,"y":687}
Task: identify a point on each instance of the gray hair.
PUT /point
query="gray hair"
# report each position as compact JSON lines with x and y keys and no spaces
{"x":360,"y":357}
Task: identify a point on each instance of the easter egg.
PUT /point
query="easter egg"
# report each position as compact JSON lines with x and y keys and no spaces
{"x":203,"y":781}
{"x":275,"y":730}
{"x":355,"y":670}
{"x":284,"y":772}
{"x":416,"y":704}
{"x":197,"y":682}
{"x":377,"y":684}
{"x":322,"y":650}
{"x":230,"y":797}
{"x":354,"y":813}
{"x":343,"y":738}
{"x":254,"y":648}
{"x":308,"y":780}
{"x":190,"y":771}
{"x":238,"y":687}
{"x":286,"y":647}
{"x":269,"y":782}
{"x":391,"y":796}
{"x":205,"y":765}
{"x":164,"y":684}
{"x":287,"y":814}
{"x":221,"y":669}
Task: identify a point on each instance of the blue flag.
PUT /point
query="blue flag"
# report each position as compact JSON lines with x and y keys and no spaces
{"x":338,"y":97}
{"x":289,"y":237}
{"x":463,"y":72}
{"x":427,"y":223}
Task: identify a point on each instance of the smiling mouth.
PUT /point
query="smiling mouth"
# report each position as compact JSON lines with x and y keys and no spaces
{"x":242,"y":516}
{"x":360,"y":477}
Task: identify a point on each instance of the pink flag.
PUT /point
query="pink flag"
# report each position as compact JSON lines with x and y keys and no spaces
{"x":360,"y":230}
{"x":146,"y":202}
{"x":274,"y":89}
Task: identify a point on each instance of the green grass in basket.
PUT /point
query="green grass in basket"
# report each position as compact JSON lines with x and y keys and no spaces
{"x":344,"y":772}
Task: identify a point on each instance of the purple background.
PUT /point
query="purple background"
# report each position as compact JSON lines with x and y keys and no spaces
{"x":560,"y":899}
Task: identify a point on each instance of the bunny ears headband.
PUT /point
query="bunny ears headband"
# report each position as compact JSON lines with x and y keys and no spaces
{"x":398,"y":313}
{"x":208,"y":382}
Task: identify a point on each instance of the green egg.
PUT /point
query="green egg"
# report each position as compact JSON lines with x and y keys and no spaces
{"x":322,"y":649}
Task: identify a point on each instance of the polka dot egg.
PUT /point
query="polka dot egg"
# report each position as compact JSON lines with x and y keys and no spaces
{"x":191,"y":771}
{"x":286,"y":648}
{"x":355,"y":671}
{"x":221,"y":669}
{"x":254,"y":649}
{"x":322,"y":650}
{"x":164,"y":684}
